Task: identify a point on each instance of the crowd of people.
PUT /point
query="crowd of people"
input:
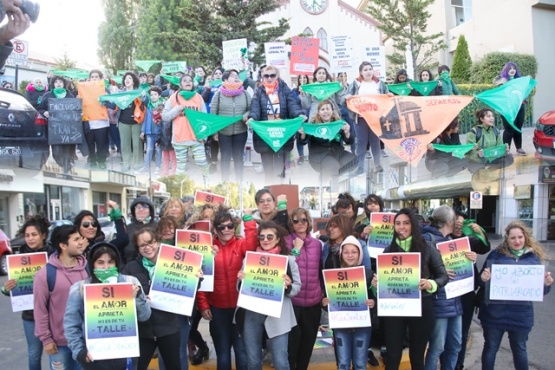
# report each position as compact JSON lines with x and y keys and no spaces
{"x":79,"y":254}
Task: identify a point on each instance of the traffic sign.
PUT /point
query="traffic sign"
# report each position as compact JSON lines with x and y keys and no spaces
{"x":476,"y":200}
{"x":19,"y":54}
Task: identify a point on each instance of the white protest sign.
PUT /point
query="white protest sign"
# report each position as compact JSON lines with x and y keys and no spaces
{"x":341,"y":54}
{"x":232,"y":58}
{"x":517,"y":282}
{"x":376,"y":56}
{"x":276,"y":54}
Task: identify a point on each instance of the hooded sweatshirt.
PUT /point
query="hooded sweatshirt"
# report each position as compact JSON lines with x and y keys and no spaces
{"x":130,"y":251}
{"x":49,"y":309}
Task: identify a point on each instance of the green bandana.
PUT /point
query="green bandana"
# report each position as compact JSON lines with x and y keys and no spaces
{"x":216,"y":83}
{"x":59,"y":92}
{"x":276,"y":133}
{"x":445,"y":77}
{"x":322,"y":91}
{"x":326,"y":131}
{"x":152,"y":105}
{"x":404,"y":244}
{"x":491,"y":154}
{"x":205,"y":124}
{"x":518,"y":253}
{"x":146,"y":64}
{"x":243,"y":75}
{"x":172,"y":79}
{"x":424,"y":88}
{"x":467,"y":230}
{"x":122,"y":99}
{"x":187,"y":94}
{"x":399,"y":89}
{"x":109,"y":275}
{"x":144,"y":86}
{"x":149,"y":266}
{"x":456,"y":150}
{"x":39,"y":88}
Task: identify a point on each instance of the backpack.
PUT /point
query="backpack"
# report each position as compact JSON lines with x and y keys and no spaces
{"x":51,"y":277}
{"x":478,"y":132}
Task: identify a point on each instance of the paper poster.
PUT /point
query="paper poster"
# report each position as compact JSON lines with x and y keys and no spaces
{"x":398,"y":279}
{"x":200,"y":225}
{"x":110,"y":321}
{"x":304,"y":55}
{"x":23,"y":268}
{"x":382,"y":232}
{"x":232,"y":56}
{"x":347,"y":291}
{"x":341,"y":54}
{"x":90,"y":91}
{"x":276,"y":54}
{"x":516,"y":283}
{"x":263,"y":288}
{"x":376,"y":56}
{"x":174,"y":283}
{"x":453,"y":256}
{"x":200,"y":242}
{"x":203,"y":197}
{"x":173,"y":67}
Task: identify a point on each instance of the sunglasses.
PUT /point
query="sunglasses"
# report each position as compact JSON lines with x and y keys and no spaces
{"x":273,"y":75}
{"x":222,"y":227}
{"x":303,"y":220}
{"x":86,"y":224}
{"x":268,"y":237}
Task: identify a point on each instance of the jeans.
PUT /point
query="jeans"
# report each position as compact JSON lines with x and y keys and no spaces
{"x":445,"y":342}
{"x":185,"y":328}
{"x":225,"y":335}
{"x":364,"y":137}
{"x":517,"y":341}
{"x":150,"y":148}
{"x":232,"y":147}
{"x":63,"y":360}
{"x":253,"y":331}
{"x":351,"y":346}
{"x":114,"y":137}
{"x":467,"y":301}
{"x":34,"y":345}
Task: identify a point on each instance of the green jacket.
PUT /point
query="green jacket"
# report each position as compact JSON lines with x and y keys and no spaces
{"x":487,"y":140}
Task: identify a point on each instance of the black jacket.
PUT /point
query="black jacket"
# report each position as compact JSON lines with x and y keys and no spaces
{"x":130,"y":251}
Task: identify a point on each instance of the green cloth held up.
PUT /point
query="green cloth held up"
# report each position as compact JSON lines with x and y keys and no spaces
{"x":205,"y":124}
{"x":399,"y":89}
{"x":326,"y":131}
{"x":121,"y":99}
{"x":276,"y":133}
{"x":172,"y":79}
{"x":215,"y":83}
{"x":467,"y":230}
{"x":458,"y":151}
{"x":146,"y":64}
{"x":491,"y":154}
{"x":322,"y":91}
{"x":424,"y":88}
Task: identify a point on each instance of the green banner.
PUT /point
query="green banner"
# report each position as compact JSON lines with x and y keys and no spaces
{"x":117,"y":79}
{"x":276,"y":133}
{"x":507,"y":99}
{"x":456,"y":150}
{"x":399,"y":89}
{"x":491,"y":154}
{"x":172,"y":79}
{"x":172,"y":67}
{"x":121,"y":72}
{"x":322,"y":91}
{"x":243,"y":75}
{"x":73,"y":74}
{"x":122,"y":99}
{"x":326,"y":131}
{"x":424,"y":88}
{"x":205,"y":124}
{"x":216,"y":83}
{"x":146,"y":64}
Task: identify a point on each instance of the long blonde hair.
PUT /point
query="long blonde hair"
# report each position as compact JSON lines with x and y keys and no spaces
{"x":529,"y":241}
{"x":335,"y":116}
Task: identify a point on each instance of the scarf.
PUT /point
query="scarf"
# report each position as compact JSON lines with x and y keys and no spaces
{"x":446,"y":77}
{"x":187,"y":94}
{"x":59,"y":92}
{"x":274,"y":250}
{"x":109,"y":275}
{"x":145,"y":220}
{"x":404,"y":244}
{"x":149,"y":266}
{"x":271,"y":88}
{"x":152,"y":105}
{"x":232,"y":88}
{"x":518,"y":253}
{"x":38,"y":88}
{"x":335,"y":248}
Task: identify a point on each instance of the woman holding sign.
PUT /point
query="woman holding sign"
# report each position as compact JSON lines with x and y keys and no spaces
{"x":514,"y":317}
{"x":35,"y":230}
{"x":104,"y":262}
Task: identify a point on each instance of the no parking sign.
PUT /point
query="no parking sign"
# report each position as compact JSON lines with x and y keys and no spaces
{"x":476,"y":199}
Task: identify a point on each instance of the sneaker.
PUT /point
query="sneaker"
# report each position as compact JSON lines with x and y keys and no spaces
{"x":300,"y":160}
{"x":368,"y":155}
{"x":520,"y":152}
{"x":384,"y":153}
{"x":372,"y":360}
{"x":378,"y":168}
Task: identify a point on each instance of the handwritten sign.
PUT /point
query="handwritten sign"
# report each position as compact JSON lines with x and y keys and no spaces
{"x":382,"y":232}
{"x":304,"y":55}
{"x":200,"y":242}
{"x":65,"y":125}
{"x":232,"y":56}
{"x":203,"y":197}
{"x":262,"y":289}
{"x":398,"y":279}
{"x":174,"y":283}
{"x":276,"y":54}
{"x":376,"y":56}
{"x":347,"y":291}
{"x":517,"y":282}
{"x":454,"y":258}
{"x":341,"y":54}
{"x":23,"y":268}
{"x":172,"y":67}
{"x":110,"y":321}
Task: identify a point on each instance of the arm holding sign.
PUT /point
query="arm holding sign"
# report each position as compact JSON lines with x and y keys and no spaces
{"x":74,"y":324}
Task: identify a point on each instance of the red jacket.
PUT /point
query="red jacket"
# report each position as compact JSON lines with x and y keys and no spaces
{"x":228,"y":263}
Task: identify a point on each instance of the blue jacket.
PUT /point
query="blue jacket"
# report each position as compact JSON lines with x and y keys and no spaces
{"x":509,"y":315}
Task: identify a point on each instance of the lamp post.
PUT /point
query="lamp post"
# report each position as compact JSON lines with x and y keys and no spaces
{"x":181,"y":188}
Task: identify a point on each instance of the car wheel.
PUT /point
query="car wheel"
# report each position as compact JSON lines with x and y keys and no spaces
{"x":4,"y":265}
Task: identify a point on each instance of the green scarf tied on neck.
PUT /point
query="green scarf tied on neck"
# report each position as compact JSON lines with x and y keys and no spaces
{"x":187,"y":94}
{"x":109,"y":275}
{"x":59,"y":92}
{"x":445,"y":76}
{"x":517,"y":253}
{"x":149,"y":266}
{"x":404,"y":244}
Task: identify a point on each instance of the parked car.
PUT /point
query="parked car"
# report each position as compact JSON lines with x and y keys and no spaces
{"x":5,"y":250}
{"x":23,"y":133}
{"x":544,"y":137}
{"x":19,"y":240}
{"x":108,"y":228}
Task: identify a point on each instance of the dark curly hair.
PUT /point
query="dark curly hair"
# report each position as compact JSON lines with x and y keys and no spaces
{"x":281,"y":233}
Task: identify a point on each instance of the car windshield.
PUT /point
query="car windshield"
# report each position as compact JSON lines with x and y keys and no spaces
{"x":14,"y":101}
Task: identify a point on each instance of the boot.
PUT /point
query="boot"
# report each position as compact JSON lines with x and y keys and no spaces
{"x":202,"y":354}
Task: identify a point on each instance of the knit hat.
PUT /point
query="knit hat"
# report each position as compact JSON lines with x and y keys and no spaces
{"x":354,"y":241}
{"x":99,"y":245}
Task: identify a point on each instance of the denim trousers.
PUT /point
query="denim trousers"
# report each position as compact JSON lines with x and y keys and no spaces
{"x":151,"y":148}
{"x":34,"y":345}
{"x":62,"y":360}
{"x":232,"y":146}
{"x":492,"y":341}
{"x":225,"y":335}
{"x":365,"y":136}
{"x":351,"y":346}
{"x":445,"y":342}
{"x":253,"y":331}
{"x":467,"y":301}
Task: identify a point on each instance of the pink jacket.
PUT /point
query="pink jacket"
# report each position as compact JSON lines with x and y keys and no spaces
{"x":309,"y":269}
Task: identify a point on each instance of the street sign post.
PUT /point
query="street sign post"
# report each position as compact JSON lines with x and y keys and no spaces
{"x":476,"y":200}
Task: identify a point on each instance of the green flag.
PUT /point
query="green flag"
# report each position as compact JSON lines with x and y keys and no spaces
{"x":276,"y":133}
{"x":507,"y":98}
{"x":468,"y":231}
{"x":117,"y":79}
{"x":322,"y":91}
{"x":172,"y":79}
{"x":399,"y":89}
{"x":172,"y":67}
{"x":424,"y":88}
{"x":73,"y":74}
{"x":456,"y":150}
{"x":243,"y":75}
{"x":145,"y":64}
{"x":326,"y":131}
{"x":205,"y":124}
{"x":122,"y":99}
{"x":216,"y":83}
{"x":121,"y":72}
{"x":491,"y":154}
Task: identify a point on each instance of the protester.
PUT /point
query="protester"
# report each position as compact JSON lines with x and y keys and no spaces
{"x":311,"y":103}
{"x":445,"y":83}
{"x":298,"y":92}
{"x":269,"y":209}
{"x":142,"y":216}
{"x":151,"y":130}
{"x":212,"y":144}
{"x":441,"y":163}
{"x":338,"y":228}
{"x":129,"y":124}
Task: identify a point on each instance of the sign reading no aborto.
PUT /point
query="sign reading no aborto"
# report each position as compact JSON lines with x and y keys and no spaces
{"x":65,"y":125}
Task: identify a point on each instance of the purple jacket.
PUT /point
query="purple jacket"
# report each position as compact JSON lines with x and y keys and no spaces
{"x":309,"y":269}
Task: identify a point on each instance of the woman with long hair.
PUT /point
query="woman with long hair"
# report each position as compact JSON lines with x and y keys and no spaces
{"x":445,"y":164}
{"x":310,"y":102}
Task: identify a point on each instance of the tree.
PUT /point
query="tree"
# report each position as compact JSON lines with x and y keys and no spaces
{"x":460,"y":71}
{"x":490,"y":65}
{"x":405,"y":22}
{"x":64,"y":63}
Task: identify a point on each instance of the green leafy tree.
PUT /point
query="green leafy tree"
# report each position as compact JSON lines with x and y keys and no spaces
{"x":460,"y":70}
{"x":406,"y":22}
{"x":64,"y":63}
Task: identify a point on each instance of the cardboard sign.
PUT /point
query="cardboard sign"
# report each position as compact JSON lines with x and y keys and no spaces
{"x":23,"y":268}
{"x":516,"y":282}
{"x":376,"y":56}
{"x":304,"y":55}
{"x":382,"y":232}
{"x":232,"y":56}
{"x":172,"y":67}
{"x":65,"y":125}
{"x":347,"y":291}
{"x":111,"y":321}
{"x":200,"y":242}
{"x":454,"y":258}
{"x":276,"y":54}
{"x":398,"y":279}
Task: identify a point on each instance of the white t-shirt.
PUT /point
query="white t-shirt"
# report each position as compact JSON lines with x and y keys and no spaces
{"x":369,"y":88}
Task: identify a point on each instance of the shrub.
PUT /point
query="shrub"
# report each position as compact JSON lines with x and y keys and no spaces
{"x":487,"y":68}
{"x":460,"y":71}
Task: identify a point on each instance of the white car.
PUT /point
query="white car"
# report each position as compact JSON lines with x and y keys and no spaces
{"x":108,"y":228}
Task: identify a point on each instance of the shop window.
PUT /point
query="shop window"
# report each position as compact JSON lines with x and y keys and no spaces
{"x":99,"y":204}
{"x":323,"y":37}
{"x":71,"y":204}
{"x":461,"y":10}
{"x":35,"y":204}
{"x":526,"y":211}
{"x":116,"y":197}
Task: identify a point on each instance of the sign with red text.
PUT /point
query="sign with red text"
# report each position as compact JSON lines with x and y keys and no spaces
{"x":23,"y":268}
{"x":454,"y":258}
{"x":203,"y":197}
{"x":398,"y":281}
{"x":304,"y":55}
{"x":341,"y":54}
{"x":382,"y":232}
{"x":201,"y":242}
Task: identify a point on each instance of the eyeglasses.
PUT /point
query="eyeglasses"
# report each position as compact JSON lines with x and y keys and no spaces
{"x":303,"y":220}
{"x":141,"y":206}
{"x":268,"y":237}
{"x":86,"y":224}
{"x":267,"y":200}
{"x":222,"y":227}
{"x":149,"y":244}
{"x":273,"y":75}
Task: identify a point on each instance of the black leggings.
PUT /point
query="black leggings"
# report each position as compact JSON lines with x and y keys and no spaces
{"x":510,"y":134}
{"x":168,"y":346}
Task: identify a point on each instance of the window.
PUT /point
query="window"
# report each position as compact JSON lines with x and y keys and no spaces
{"x":323,"y":36}
{"x":462,"y":11}
{"x":308,"y":32}
{"x":99,"y":204}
